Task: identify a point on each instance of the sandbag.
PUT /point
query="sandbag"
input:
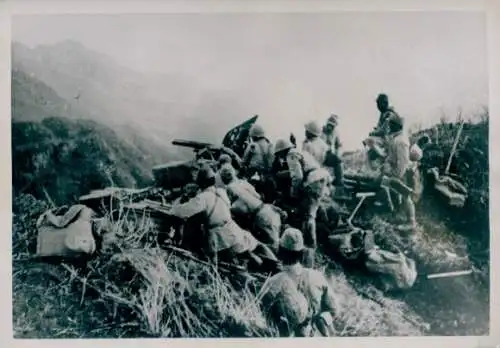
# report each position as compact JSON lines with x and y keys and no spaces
{"x":395,"y":270}
{"x":66,"y":235}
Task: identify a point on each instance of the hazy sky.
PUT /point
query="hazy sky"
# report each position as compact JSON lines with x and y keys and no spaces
{"x":290,"y":68}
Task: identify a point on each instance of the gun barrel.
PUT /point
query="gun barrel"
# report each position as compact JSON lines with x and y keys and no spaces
{"x":190,"y":143}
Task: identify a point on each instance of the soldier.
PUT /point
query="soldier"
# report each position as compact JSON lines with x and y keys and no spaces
{"x":225,"y":238}
{"x":333,"y":156}
{"x":298,"y":298}
{"x":412,"y":174}
{"x":376,"y":137}
{"x":397,"y":163}
{"x":258,"y":156}
{"x":224,"y":161}
{"x":313,"y":143}
{"x":257,"y":161}
{"x":386,"y":111}
{"x":309,"y":183}
{"x":264,"y":218}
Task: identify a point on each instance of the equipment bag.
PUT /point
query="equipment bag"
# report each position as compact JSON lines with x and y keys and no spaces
{"x":395,"y":270}
{"x":68,"y":234}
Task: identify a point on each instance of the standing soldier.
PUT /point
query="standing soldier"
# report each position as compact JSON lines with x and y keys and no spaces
{"x":333,"y":156}
{"x":313,"y":143}
{"x":298,"y":298}
{"x":258,"y":156}
{"x":264,"y":219}
{"x":226,"y":240}
{"x":258,"y":159}
{"x":397,"y":164}
{"x":376,"y":136}
{"x":309,"y":183}
{"x":386,"y":112}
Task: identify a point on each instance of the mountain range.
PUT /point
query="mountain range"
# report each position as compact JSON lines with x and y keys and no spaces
{"x":81,"y":122}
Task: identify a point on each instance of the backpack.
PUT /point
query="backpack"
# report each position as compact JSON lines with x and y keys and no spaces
{"x":395,"y":270}
{"x":66,"y":235}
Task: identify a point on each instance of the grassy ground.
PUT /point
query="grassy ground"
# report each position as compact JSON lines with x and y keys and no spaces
{"x":135,"y":289}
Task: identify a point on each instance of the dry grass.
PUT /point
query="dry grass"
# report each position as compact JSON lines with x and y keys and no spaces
{"x":138,"y":289}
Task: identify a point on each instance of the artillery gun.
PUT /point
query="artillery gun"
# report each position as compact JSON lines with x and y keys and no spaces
{"x":175,"y":175}
{"x":173,"y":181}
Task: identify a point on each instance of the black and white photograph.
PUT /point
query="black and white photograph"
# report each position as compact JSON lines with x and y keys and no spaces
{"x":250,"y":174}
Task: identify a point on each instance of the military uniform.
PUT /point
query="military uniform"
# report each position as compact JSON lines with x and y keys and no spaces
{"x":379,"y":130}
{"x":396,"y":166}
{"x":309,"y":183}
{"x":258,"y":157}
{"x":333,"y":159}
{"x":398,"y":155}
{"x":265,"y":219}
{"x":298,"y":294}
{"x":223,"y":232}
{"x":412,"y":174}
{"x":317,"y":148}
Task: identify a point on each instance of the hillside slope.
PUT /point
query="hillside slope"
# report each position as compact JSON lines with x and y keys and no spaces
{"x":68,"y":158}
{"x":33,"y":100}
{"x":55,"y":149}
{"x":104,"y":87}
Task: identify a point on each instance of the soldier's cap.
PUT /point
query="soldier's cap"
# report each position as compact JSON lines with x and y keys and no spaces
{"x":227,"y":173}
{"x":292,"y":240}
{"x":282,"y":145}
{"x":313,"y":127}
{"x":205,"y":173}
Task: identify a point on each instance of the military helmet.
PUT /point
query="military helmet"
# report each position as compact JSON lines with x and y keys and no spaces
{"x":333,"y":120}
{"x":224,"y":158}
{"x":416,"y":153}
{"x":257,"y":131}
{"x":204,"y":175}
{"x":313,"y":127}
{"x":292,"y":240}
{"x":282,"y":145}
{"x":227,"y":173}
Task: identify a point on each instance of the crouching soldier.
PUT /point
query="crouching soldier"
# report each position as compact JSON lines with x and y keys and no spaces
{"x":264,"y":219}
{"x":224,"y":161}
{"x":226,"y":240}
{"x":309,"y":183}
{"x":298,"y":299}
